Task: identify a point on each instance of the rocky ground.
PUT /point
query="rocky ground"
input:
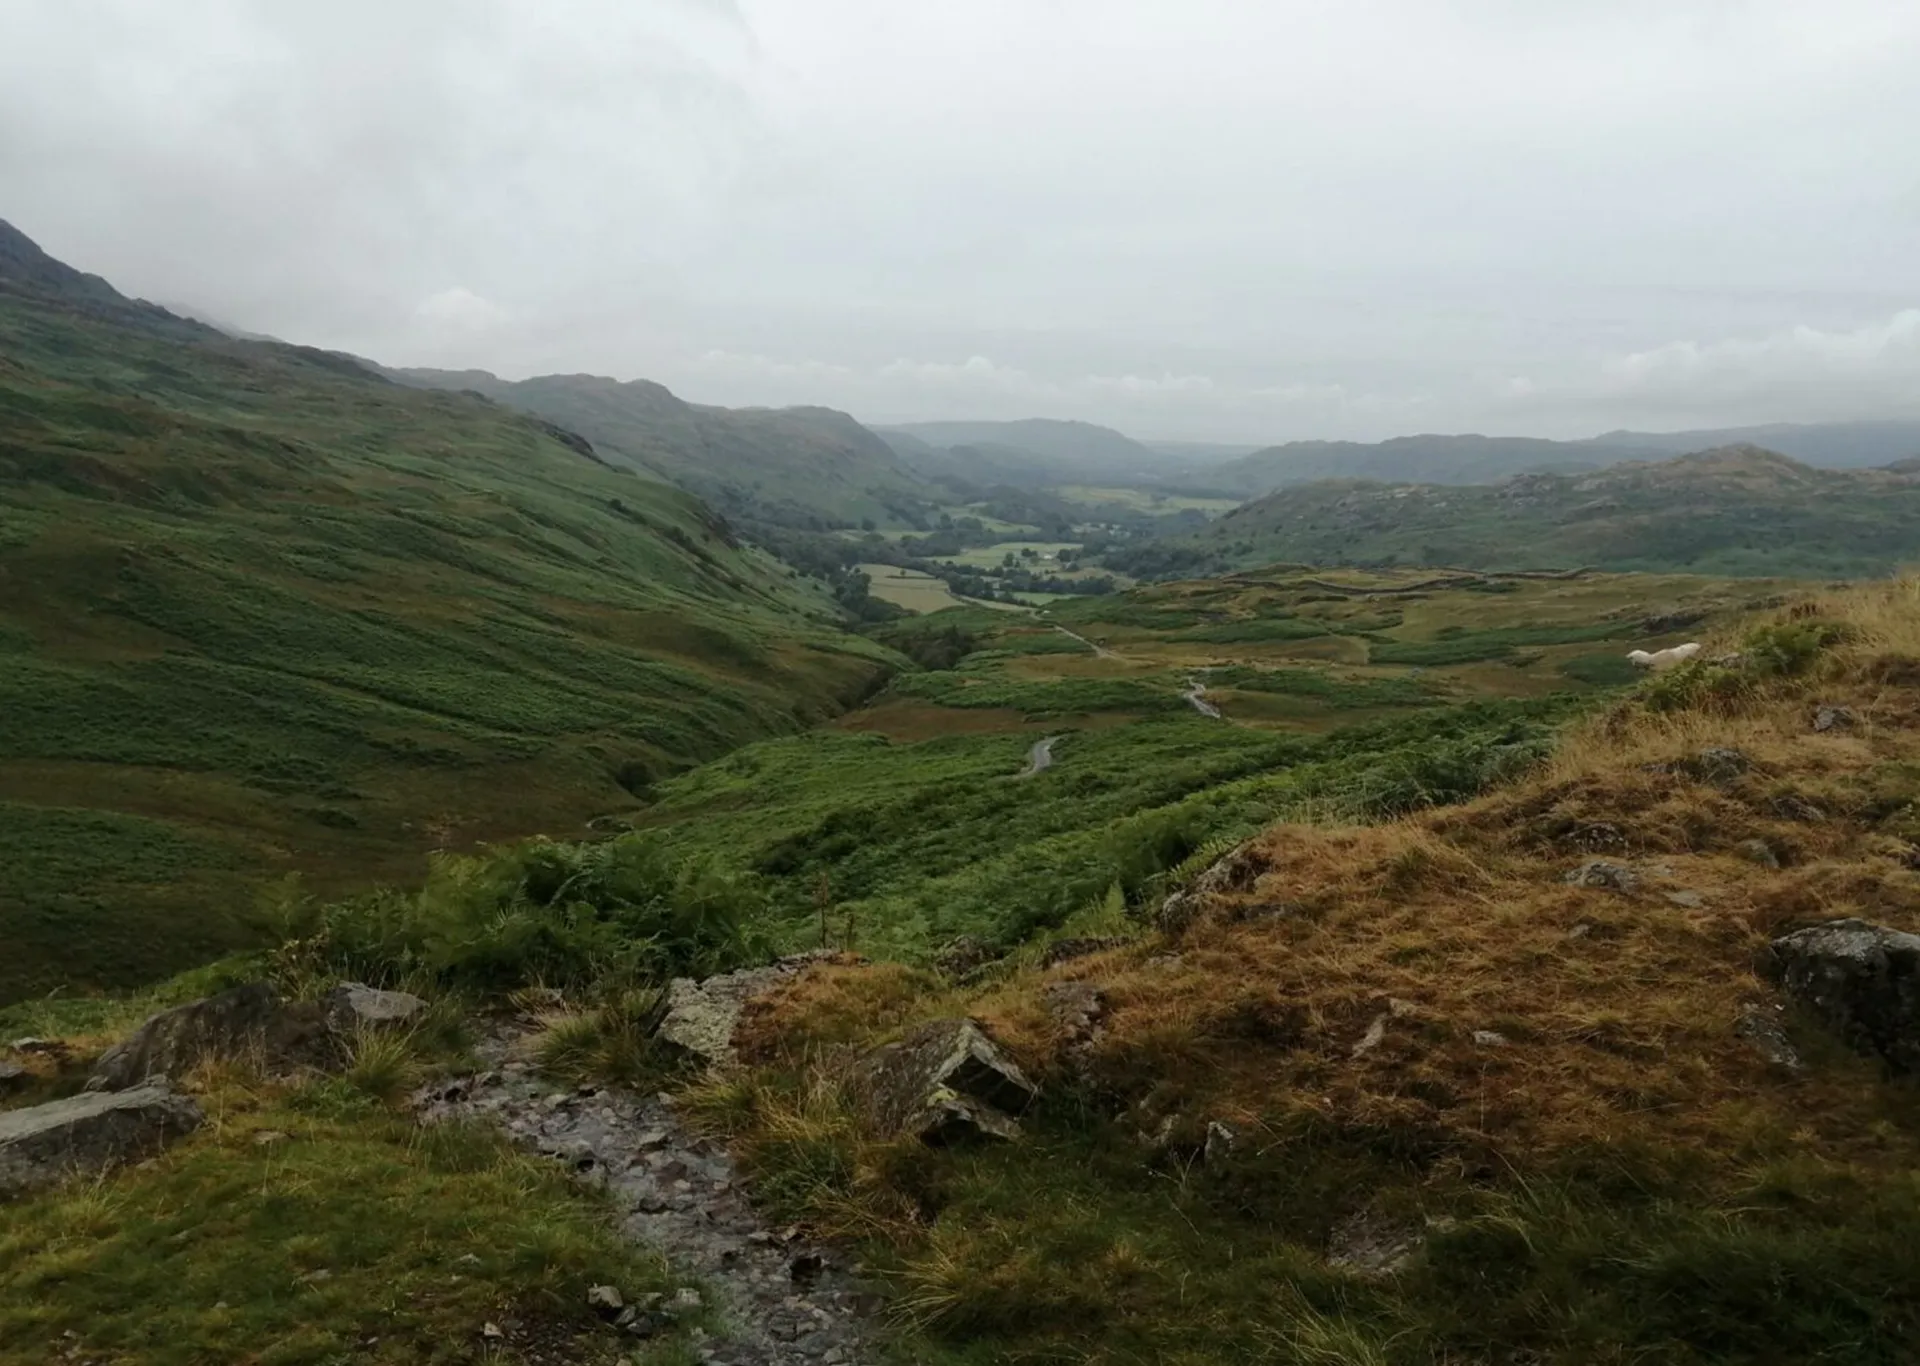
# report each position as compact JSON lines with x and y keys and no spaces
{"x":784,"y":1300}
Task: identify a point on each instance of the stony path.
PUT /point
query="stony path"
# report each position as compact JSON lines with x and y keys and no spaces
{"x":786,"y":1302}
{"x":1040,"y":757}
{"x":1196,"y":693}
{"x":1099,"y":651}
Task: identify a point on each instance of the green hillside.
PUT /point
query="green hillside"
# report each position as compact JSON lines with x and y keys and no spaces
{"x":264,"y":612}
{"x":1739,"y":511}
{"x":795,"y":467}
{"x":1430,"y":459}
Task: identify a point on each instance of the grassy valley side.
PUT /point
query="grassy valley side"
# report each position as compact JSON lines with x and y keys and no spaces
{"x":268,"y":614}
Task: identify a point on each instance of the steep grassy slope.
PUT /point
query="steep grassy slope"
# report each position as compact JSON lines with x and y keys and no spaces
{"x":264,"y":612}
{"x":796,"y":467}
{"x":1401,"y":1092}
{"x":1735,"y":511}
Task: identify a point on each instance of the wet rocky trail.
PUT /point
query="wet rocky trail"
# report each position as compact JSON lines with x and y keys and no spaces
{"x":784,"y":1301}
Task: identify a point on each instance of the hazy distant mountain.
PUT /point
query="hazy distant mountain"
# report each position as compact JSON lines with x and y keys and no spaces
{"x":1832,"y":445}
{"x":1197,"y":453}
{"x":793,"y":466}
{"x":1738,"y":510}
{"x":1471,"y":459}
{"x":1067,"y":451}
{"x":1429,"y":458}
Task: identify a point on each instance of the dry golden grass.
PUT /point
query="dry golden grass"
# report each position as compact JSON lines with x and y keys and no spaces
{"x":1615,"y":1011}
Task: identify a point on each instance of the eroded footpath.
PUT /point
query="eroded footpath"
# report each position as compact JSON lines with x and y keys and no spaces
{"x":785,"y":1301}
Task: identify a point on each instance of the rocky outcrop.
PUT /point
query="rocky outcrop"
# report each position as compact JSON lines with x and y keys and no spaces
{"x":965,"y":955}
{"x":1862,"y":980}
{"x":175,"y":1041}
{"x":44,"y":1143}
{"x":1613,"y":877}
{"x":944,"y":1082}
{"x":701,"y":1016}
{"x":1235,"y":872}
{"x":352,"y":1007}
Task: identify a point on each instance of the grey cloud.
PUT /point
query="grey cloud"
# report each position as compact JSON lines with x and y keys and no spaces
{"x":1208,"y":218}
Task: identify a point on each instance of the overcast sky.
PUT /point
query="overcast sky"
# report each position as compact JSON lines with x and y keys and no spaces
{"x":1237,"y":220}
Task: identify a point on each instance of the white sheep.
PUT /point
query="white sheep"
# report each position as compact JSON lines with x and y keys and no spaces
{"x":1661,"y":659}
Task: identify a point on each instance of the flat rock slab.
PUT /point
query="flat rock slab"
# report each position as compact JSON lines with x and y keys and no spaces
{"x":85,"y":1133}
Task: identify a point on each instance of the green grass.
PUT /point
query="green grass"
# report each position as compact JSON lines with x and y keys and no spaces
{"x":1341,"y":693}
{"x":918,"y":843}
{"x":356,"y":1235}
{"x":1460,"y":645}
{"x":268,"y":608}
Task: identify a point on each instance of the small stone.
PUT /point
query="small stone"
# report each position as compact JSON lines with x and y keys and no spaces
{"x":1717,"y":764}
{"x":1489,"y":1038}
{"x":1833,"y":718}
{"x":1686,"y":899}
{"x":1220,"y":1141}
{"x":605,"y":1299}
{"x":1375,"y":1036}
{"x":1757,"y":851}
{"x":805,"y":1267}
{"x":1762,"y":1029}
{"x":491,"y":1332}
{"x":13,"y":1077}
{"x":1584,"y":930}
{"x":760,"y":1237}
{"x":267,"y":1137}
{"x":686,"y":1299}
{"x":833,"y":1356}
{"x":1614,"y":877}
{"x":468,"y":1259}
{"x":1791,"y":806}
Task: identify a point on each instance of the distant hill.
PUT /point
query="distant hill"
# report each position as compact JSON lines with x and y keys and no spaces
{"x":1735,"y":510}
{"x":1428,"y":458}
{"x":264,"y":612}
{"x":1200,"y":453}
{"x":1056,"y":452}
{"x":1832,"y":445}
{"x":1436,"y":459}
{"x":794,"y":467}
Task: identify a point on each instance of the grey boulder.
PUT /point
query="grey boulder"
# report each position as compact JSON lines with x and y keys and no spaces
{"x":945,"y":1082}
{"x":701,"y":1016}
{"x":44,"y":1143}
{"x":354,"y":1006}
{"x":1863,"y":982}
{"x":173,"y":1042}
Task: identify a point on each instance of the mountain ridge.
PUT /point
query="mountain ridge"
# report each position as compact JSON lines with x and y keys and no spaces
{"x":1733,"y":510}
